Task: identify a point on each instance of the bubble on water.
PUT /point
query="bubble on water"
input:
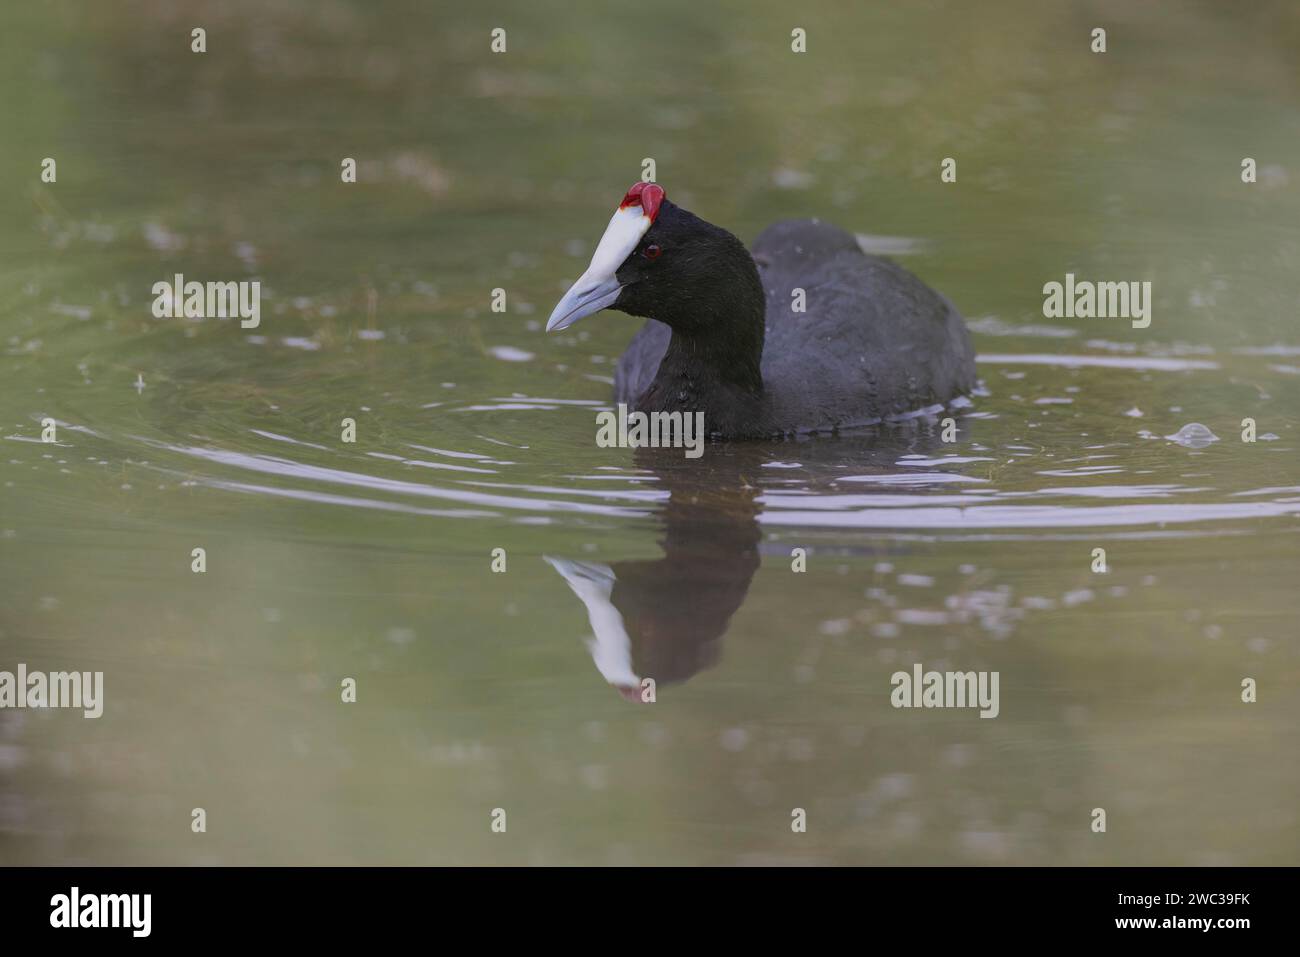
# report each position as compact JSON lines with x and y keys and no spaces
{"x":510,"y":354}
{"x":246,"y":253}
{"x":921,"y":616}
{"x":654,"y":734}
{"x":299,"y":342}
{"x":400,"y":635}
{"x":853,"y":735}
{"x":1273,"y":176}
{"x":1193,"y":436}
{"x":791,"y":179}
{"x":734,"y":739}
{"x":12,"y":757}
{"x":76,"y":312}
{"x":989,"y":844}
{"x":595,"y":776}
{"x":162,"y":239}
{"x":893,"y":787}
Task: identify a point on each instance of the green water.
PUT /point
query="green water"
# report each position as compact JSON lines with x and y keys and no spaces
{"x":373,"y":560}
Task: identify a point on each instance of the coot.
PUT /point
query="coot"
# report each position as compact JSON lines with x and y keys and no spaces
{"x":724,"y":336}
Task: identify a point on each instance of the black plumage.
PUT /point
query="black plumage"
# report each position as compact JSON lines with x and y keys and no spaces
{"x":874,"y":341}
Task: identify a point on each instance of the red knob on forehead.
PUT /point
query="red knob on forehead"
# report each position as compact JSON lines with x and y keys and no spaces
{"x":646,"y":195}
{"x":651,"y":197}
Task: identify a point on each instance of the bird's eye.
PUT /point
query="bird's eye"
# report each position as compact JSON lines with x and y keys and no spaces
{"x":652,"y":251}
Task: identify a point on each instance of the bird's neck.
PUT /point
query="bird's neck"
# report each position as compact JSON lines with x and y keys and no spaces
{"x":713,"y":364}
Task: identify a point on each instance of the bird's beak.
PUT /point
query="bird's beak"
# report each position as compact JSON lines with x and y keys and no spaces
{"x":598,"y":287}
{"x":611,"y":648}
{"x":589,"y":294}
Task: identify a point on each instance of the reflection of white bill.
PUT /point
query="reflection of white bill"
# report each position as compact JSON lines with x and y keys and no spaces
{"x":611,"y":648}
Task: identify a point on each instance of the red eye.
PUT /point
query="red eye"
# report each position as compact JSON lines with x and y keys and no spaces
{"x":652,"y":252}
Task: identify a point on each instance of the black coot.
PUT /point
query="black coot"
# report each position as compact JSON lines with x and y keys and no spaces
{"x":724,"y":337}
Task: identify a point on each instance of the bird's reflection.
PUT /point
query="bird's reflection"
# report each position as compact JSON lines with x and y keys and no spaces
{"x":664,"y":619}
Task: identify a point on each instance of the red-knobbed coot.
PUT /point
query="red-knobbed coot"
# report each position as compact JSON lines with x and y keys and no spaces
{"x":724,"y":337}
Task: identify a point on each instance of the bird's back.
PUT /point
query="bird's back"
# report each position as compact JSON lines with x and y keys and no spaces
{"x":850,"y":338}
